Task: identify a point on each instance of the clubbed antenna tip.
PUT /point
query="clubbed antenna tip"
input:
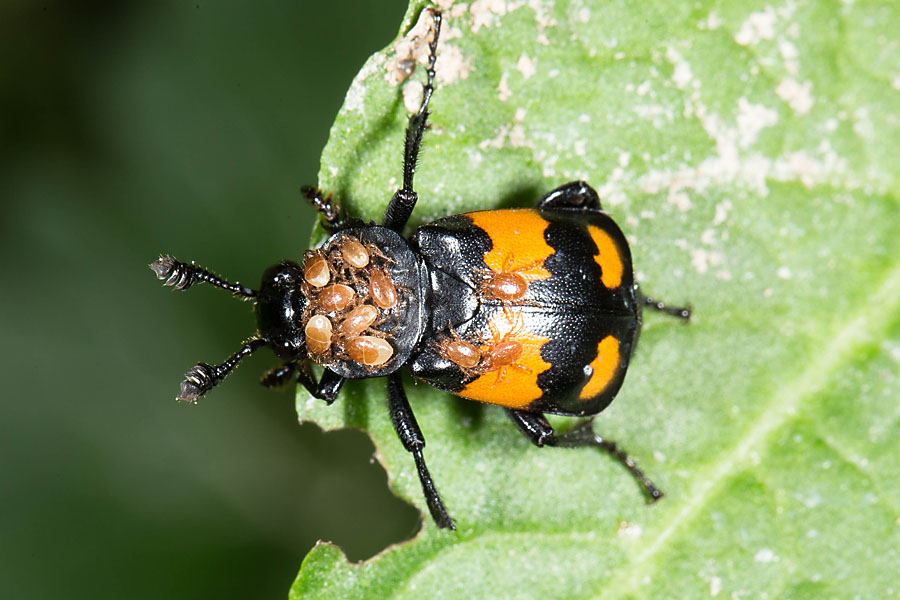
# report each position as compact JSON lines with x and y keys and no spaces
{"x":162,"y":266}
{"x":173,"y":273}
{"x":196,"y":382}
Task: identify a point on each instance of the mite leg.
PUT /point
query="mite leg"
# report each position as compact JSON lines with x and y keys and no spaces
{"x":182,"y":275}
{"x":204,"y":377}
{"x":575,"y":194}
{"x":327,"y":208}
{"x":411,"y":436}
{"x":540,"y":432}
{"x":682,"y":312}
{"x":327,"y":388}
{"x":404,"y":201}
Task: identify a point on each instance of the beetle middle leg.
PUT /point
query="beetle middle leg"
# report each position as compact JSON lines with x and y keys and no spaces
{"x":326,"y":388}
{"x":537,"y":429}
{"x":278,"y":376}
{"x":411,"y":436}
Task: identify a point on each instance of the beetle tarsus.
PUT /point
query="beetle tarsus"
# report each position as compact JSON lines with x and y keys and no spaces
{"x":682,"y":312}
{"x":539,"y":431}
{"x":583,"y":435}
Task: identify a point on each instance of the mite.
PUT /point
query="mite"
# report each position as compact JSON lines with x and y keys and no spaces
{"x":534,"y":309}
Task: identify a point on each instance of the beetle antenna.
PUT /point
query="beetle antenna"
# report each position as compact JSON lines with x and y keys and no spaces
{"x":180,"y":275}
{"x":204,"y":377}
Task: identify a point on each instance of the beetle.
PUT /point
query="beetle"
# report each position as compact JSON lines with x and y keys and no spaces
{"x":534,"y":309}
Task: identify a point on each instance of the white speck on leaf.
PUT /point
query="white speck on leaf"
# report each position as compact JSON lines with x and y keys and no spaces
{"x":412,"y":95}
{"x":451,"y":64}
{"x":765,"y":556}
{"x":789,"y":55}
{"x":751,"y":119}
{"x":713,"y":21}
{"x":526,"y":66}
{"x":680,"y":200}
{"x":629,"y":531}
{"x":503,"y":91}
{"x":681,"y":74}
{"x":485,"y":12}
{"x":758,"y":26}
{"x":797,"y":95}
{"x":579,"y":147}
{"x":722,"y":209}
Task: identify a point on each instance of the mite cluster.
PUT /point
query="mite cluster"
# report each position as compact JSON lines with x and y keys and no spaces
{"x":350,"y":293}
{"x":477,"y":357}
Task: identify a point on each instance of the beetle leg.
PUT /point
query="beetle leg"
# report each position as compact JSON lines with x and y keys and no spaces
{"x":278,"y":376}
{"x":537,"y":429}
{"x":325,"y":205}
{"x":326,"y":388}
{"x":411,"y":436}
{"x":676,"y":311}
{"x":404,"y":201}
{"x":575,"y":194}
{"x":204,"y":377}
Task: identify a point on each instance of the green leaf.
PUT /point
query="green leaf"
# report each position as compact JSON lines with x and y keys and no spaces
{"x":750,"y":151}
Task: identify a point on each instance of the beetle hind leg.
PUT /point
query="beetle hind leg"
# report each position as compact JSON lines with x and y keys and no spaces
{"x":575,"y":194}
{"x":539,"y":431}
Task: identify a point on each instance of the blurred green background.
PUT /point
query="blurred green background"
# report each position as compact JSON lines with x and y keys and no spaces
{"x":130,"y":129}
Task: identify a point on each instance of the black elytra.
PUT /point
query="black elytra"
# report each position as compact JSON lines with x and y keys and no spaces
{"x":535,"y":310}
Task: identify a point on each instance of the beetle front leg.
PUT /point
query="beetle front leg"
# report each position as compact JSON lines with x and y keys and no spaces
{"x":326,"y":206}
{"x":404,"y":200}
{"x":326,"y":388}
{"x":411,"y":436}
{"x":537,"y":429}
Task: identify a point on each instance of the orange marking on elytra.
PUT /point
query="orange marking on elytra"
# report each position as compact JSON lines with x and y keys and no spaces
{"x":521,"y":230}
{"x":603,"y":368}
{"x":608,"y":257}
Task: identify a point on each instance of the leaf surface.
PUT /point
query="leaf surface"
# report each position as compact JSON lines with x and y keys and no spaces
{"x":749,"y":151}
